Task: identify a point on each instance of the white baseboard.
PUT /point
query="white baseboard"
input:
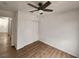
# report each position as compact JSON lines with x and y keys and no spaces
{"x":25,"y":45}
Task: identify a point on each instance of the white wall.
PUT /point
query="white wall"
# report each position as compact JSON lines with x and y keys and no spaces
{"x":61,"y":31}
{"x":14,"y":30}
{"x":27,"y":29}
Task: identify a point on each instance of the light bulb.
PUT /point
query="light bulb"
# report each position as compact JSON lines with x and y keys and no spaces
{"x":41,"y":11}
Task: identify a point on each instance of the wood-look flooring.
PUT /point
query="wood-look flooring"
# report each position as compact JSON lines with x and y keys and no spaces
{"x":35,"y":50}
{"x":40,"y":50}
{"x":6,"y":50}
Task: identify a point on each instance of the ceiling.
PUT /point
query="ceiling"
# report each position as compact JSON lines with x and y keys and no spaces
{"x":57,"y":6}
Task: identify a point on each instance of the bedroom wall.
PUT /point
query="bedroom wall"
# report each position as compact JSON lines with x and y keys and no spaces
{"x":60,"y":30}
{"x":27,"y":29}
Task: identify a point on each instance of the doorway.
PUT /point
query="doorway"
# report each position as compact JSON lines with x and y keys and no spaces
{"x":6,"y":50}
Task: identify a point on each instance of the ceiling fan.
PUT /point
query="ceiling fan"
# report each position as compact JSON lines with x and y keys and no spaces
{"x":41,"y":7}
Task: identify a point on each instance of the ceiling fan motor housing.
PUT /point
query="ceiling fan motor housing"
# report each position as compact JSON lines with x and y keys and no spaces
{"x":40,"y":4}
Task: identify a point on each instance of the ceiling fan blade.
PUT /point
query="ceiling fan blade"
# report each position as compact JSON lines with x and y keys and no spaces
{"x":33,"y":11}
{"x":48,"y":10}
{"x":46,"y":4}
{"x":32,"y":5}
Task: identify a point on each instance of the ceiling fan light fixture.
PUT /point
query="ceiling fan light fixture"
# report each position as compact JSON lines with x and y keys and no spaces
{"x":40,"y":11}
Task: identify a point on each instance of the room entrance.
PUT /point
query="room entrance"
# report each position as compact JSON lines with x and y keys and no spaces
{"x":6,"y":50}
